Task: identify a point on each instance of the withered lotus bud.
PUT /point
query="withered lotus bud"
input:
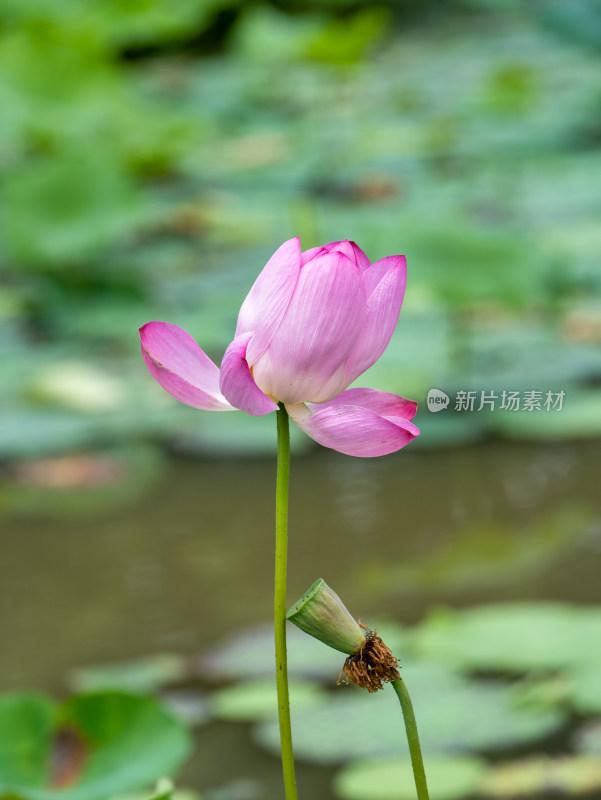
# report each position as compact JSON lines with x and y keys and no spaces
{"x":323,"y":615}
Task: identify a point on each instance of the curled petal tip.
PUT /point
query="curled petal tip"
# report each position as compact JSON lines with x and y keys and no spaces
{"x":179,"y":365}
{"x":359,"y":422}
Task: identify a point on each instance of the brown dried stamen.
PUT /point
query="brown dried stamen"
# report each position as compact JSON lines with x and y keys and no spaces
{"x":372,"y":666}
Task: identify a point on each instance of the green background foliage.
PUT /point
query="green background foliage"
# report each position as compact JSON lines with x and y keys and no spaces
{"x":154,"y":154}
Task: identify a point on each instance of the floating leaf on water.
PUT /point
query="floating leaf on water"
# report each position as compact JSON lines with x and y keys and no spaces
{"x":395,"y":636}
{"x":584,"y":690}
{"x":142,"y":675}
{"x":579,"y":418}
{"x":72,"y":217}
{"x":511,"y":88}
{"x":346,"y":41}
{"x":189,"y":706}
{"x":454,"y":715}
{"x":513,"y":636}
{"x":257,"y":699}
{"x":251,"y":653}
{"x":545,"y":693}
{"x":579,"y":20}
{"x":89,"y":748}
{"x":267,"y":34}
{"x":26,"y":433}
{"x":77,"y":385}
{"x":238,"y":435}
{"x":543,"y":775}
{"x":449,"y":778}
{"x":457,"y":247}
{"x":27,"y":722}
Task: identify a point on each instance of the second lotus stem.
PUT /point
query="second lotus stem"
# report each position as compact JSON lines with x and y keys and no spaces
{"x":412,"y":737}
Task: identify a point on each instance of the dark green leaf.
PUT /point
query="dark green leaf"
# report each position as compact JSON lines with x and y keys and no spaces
{"x":110,"y":742}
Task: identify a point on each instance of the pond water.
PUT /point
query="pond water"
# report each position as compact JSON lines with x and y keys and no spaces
{"x":193,"y":562}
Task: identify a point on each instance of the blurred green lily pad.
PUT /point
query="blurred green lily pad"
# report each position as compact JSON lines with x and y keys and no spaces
{"x":26,"y":433}
{"x":252,"y":652}
{"x":88,"y":748}
{"x":449,"y":778}
{"x":584,"y":688}
{"x":141,"y":676}
{"x":455,"y":715}
{"x":235,"y":434}
{"x":190,"y":706}
{"x":26,"y":726}
{"x":457,"y":247}
{"x":257,"y":699}
{"x":72,"y":217}
{"x":579,"y":418}
{"x":512,"y":636}
{"x":542,"y":775}
{"x":78,"y":386}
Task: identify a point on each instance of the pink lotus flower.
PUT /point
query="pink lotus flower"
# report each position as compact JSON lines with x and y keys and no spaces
{"x":311,"y":324}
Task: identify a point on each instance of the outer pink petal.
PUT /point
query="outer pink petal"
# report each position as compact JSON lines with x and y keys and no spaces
{"x":383,"y":403}
{"x":317,"y":334}
{"x":352,"y":250}
{"x":266,"y":303}
{"x":354,"y":430}
{"x":384,"y":302}
{"x":236,"y":380}
{"x":180,"y":366}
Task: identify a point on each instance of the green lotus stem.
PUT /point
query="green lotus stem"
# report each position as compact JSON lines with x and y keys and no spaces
{"x":281,"y":547}
{"x":413,"y":738}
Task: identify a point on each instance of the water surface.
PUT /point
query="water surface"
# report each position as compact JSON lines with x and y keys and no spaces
{"x":193,"y":562}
